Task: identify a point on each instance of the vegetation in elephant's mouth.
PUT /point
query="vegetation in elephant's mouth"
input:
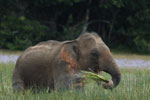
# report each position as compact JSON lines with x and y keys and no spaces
{"x":93,"y":76}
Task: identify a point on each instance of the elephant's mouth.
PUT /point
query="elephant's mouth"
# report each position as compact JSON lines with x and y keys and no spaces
{"x":99,"y":71}
{"x":106,"y":85}
{"x":116,"y":77}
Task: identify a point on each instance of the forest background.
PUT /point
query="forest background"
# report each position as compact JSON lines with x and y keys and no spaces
{"x":124,"y":25}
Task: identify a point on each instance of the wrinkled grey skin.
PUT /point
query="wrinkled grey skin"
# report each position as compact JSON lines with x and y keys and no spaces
{"x":43,"y":65}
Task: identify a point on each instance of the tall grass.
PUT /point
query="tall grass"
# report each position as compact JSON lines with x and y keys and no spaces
{"x":135,"y":85}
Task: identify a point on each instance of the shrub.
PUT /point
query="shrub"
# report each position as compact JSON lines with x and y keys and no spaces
{"x":142,"y":45}
{"x":17,"y":32}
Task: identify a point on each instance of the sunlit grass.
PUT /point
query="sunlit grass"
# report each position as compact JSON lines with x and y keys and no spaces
{"x":130,"y":56}
{"x":8,"y":52}
{"x":135,"y":85}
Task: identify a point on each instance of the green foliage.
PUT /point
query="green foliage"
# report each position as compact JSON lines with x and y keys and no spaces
{"x":17,"y":32}
{"x":71,"y":32}
{"x":138,"y":26}
{"x":120,"y":23}
{"x":142,"y":45}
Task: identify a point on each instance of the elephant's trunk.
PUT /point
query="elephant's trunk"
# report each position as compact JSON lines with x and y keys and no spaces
{"x":114,"y":71}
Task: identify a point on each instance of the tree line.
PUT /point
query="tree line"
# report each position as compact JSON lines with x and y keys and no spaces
{"x":122,"y":24}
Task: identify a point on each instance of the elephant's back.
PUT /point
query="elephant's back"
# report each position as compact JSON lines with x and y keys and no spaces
{"x":35,"y":64}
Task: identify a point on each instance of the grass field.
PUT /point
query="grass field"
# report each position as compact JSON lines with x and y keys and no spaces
{"x":135,"y":85}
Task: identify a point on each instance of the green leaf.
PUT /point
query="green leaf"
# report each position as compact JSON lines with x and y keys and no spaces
{"x":91,"y":75}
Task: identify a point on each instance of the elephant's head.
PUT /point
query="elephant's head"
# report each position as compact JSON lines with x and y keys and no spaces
{"x":88,"y":51}
{"x":94,"y":54}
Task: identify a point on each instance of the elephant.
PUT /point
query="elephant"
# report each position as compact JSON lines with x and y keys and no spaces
{"x":55,"y":65}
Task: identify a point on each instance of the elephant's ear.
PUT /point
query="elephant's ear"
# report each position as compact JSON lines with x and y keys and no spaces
{"x":69,"y":55}
{"x":66,"y":65}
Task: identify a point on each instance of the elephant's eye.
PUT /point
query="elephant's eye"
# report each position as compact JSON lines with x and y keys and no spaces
{"x":94,"y":53}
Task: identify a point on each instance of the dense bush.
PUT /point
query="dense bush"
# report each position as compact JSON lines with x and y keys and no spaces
{"x":17,"y":32}
{"x":142,"y":45}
